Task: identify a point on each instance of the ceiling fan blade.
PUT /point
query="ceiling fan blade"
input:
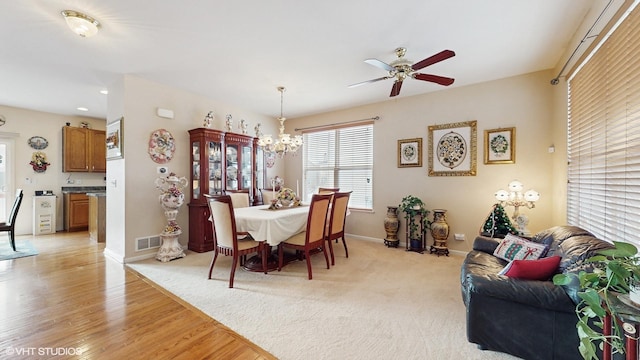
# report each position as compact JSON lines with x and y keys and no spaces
{"x":446,"y":81}
{"x":395,"y":90}
{"x":442,"y":55}
{"x":369,"y":81}
{"x":380,"y":64}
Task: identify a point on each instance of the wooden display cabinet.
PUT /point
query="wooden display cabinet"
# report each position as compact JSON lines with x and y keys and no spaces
{"x":220,"y":162}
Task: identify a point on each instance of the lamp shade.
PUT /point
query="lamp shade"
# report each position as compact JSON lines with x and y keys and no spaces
{"x":81,"y":24}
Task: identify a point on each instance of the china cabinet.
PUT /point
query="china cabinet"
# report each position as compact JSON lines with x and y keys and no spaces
{"x":220,"y":162}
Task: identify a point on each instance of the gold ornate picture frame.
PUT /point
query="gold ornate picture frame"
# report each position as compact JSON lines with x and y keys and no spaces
{"x":453,"y":149}
{"x":500,"y":146}
{"x":410,"y":152}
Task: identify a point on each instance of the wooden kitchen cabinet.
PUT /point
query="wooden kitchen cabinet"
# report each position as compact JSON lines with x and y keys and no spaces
{"x":76,"y":212}
{"x":83,"y":150}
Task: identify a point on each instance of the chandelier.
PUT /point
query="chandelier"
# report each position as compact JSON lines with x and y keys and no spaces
{"x":285,"y":143}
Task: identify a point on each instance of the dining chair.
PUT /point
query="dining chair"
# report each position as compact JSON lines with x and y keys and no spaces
{"x":313,"y":237}
{"x":239,"y":198}
{"x":336,"y":221}
{"x":227,"y":238}
{"x":323,"y":190}
{"x":267,"y":196}
{"x":10,"y":224}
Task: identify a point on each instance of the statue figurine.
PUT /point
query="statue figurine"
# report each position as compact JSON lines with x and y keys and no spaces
{"x":243,"y":126}
{"x":229,"y":123}
{"x":208,"y":120}
{"x":257,"y":130}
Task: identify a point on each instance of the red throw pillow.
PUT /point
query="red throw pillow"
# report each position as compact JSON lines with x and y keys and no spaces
{"x":540,"y":269}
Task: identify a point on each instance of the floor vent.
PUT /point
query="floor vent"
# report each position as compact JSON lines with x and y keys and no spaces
{"x":149,"y":242}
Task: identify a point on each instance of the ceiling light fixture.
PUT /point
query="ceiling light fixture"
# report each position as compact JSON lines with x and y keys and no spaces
{"x":81,"y":24}
{"x":285,"y":143}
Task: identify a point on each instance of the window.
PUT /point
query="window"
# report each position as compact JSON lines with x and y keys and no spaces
{"x":343,"y":158}
{"x":604,"y":138}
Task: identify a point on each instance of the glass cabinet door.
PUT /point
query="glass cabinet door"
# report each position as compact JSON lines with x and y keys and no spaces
{"x":215,"y":167}
{"x":232,"y":167}
{"x":195,"y":176}
{"x":246,"y":167}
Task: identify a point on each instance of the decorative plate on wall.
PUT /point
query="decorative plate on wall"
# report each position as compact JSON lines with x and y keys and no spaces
{"x":38,"y":142}
{"x":161,"y":146}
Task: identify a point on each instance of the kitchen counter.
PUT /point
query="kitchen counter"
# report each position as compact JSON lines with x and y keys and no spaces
{"x":83,"y":189}
{"x":97,"y":216}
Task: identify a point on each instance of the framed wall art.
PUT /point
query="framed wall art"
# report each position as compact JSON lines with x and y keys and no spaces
{"x":410,"y":152}
{"x":115,"y":144}
{"x":452,"y":149}
{"x":500,"y":146}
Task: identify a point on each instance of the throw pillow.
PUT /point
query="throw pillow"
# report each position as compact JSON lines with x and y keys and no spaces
{"x":516,"y":248}
{"x":540,"y":269}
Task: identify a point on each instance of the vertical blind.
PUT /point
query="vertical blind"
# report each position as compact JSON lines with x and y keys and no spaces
{"x":604,"y":138}
{"x":342,"y":158}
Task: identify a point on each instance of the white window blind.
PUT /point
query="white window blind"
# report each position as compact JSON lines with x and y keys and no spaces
{"x":604,"y":138}
{"x":342,"y":158}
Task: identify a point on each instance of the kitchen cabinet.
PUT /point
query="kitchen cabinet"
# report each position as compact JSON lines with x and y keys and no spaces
{"x":97,"y":216}
{"x":83,"y":150}
{"x":220,"y":162}
{"x":76,"y":212}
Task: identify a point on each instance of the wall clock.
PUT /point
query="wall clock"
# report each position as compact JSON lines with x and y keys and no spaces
{"x":161,"y":146}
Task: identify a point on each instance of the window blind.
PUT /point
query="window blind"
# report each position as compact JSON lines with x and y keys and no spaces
{"x":603,"y":194}
{"x":343,"y":158}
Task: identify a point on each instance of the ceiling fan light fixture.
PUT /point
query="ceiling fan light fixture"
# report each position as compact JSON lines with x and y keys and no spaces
{"x":81,"y":24}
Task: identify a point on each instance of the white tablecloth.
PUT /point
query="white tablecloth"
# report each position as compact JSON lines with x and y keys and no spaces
{"x":274,"y":226}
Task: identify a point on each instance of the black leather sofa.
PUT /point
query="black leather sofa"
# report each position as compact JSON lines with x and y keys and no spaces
{"x":530,"y":319}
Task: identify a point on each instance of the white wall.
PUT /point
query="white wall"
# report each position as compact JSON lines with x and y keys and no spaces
{"x":524,"y":102}
{"x":25,"y":124}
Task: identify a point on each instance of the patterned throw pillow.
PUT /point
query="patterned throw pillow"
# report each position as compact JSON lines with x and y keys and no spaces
{"x":516,"y":248}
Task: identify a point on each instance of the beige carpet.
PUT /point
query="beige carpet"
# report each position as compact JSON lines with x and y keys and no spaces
{"x":380,"y":303}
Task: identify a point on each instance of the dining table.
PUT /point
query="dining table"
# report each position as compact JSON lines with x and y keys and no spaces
{"x":272,"y":226}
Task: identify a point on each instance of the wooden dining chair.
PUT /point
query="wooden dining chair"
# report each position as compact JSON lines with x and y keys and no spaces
{"x":226,"y":238}
{"x":239,"y":198}
{"x":10,"y":225}
{"x":313,"y":237}
{"x":337,"y":219}
{"x":323,"y":190}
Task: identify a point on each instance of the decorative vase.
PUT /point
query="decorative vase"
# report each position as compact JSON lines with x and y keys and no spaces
{"x":391,"y":223}
{"x":171,"y":199}
{"x":440,"y":232}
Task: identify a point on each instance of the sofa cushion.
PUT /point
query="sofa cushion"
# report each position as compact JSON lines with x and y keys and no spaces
{"x":479,"y":277}
{"x":540,"y":269}
{"x":516,"y":248}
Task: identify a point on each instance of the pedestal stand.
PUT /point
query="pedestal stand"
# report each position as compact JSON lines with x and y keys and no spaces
{"x":170,"y":248}
{"x":171,"y":199}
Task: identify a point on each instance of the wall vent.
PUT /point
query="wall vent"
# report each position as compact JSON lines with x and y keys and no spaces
{"x":148,"y":242}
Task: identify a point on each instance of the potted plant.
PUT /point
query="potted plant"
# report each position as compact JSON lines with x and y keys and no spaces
{"x":413,"y":208}
{"x":615,"y":270}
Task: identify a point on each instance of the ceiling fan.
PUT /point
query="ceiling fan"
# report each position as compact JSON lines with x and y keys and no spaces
{"x":401,"y":68}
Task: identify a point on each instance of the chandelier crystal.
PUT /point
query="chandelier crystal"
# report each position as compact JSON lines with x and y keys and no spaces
{"x":285,"y":143}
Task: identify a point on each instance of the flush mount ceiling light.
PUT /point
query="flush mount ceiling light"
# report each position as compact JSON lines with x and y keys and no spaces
{"x":81,"y":24}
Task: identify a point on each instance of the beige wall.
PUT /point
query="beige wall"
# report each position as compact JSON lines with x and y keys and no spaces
{"x":21,"y":125}
{"x":138,"y":214}
{"x":525,"y":102}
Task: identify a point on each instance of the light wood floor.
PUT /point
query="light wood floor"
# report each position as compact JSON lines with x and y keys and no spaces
{"x":71,"y":297}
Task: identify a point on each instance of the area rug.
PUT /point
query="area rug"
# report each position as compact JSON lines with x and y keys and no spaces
{"x":380,"y":303}
{"x":23,"y":248}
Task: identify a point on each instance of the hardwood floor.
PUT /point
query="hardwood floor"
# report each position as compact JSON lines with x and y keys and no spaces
{"x":70,"y":300}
